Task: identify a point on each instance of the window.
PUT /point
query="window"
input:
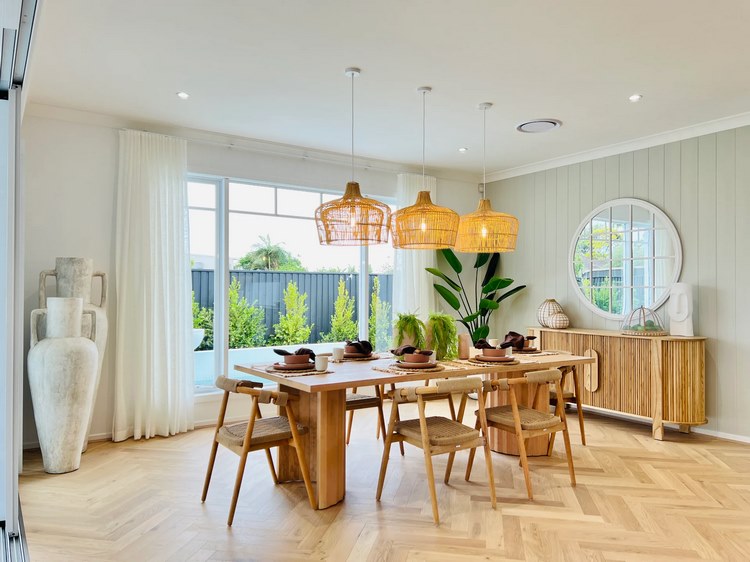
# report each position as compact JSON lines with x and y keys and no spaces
{"x":625,"y":254}
{"x":283,"y":287}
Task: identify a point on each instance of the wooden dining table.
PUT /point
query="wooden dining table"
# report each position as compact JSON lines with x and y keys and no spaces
{"x":319,"y":403}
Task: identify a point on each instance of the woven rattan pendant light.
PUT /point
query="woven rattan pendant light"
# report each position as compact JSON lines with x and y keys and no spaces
{"x":485,"y":230}
{"x":352,"y":220}
{"x":424,"y":225}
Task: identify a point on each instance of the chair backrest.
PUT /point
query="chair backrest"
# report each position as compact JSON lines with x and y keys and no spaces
{"x":546,"y":376}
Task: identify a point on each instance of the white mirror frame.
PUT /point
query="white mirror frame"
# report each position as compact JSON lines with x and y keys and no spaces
{"x":670,"y":228}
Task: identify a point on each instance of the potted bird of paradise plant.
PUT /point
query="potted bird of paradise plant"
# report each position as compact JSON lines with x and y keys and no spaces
{"x":475,"y":312}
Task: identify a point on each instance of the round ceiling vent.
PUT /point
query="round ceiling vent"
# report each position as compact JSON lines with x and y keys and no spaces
{"x":539,"y":126}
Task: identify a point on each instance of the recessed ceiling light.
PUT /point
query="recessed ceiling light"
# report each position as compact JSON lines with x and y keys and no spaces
{"x":539,"y":126}
{"x":463,"y":149}
{"x":636,"y":98}
{"x":183,"y":95}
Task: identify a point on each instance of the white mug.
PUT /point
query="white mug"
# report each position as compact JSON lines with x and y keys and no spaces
{"x":338,"y":354}
{"x":321,"y":362}
{"x":494,"y":342}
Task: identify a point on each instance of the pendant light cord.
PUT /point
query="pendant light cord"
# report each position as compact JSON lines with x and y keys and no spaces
{"x":424,"y":93}
{"x":484,"y":153}
{"x":353,"y":126}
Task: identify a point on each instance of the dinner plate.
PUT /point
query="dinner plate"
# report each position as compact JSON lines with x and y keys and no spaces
{"x":406,"y":365}
{"x":300,"y":367}
{"x":357,"y":355}
{"x":504,"y":359}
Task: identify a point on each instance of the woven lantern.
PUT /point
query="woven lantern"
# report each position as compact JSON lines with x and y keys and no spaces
{"x":352,"y":220}
{"x":424,"y":225}
{"x":487,"y":231}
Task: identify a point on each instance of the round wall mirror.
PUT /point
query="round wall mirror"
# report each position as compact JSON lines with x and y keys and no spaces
{"x":626,"y":253}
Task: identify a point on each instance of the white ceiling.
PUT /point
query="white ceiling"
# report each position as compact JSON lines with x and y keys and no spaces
{"x":273,"y":70}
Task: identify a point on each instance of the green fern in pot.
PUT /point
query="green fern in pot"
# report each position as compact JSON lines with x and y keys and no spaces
{"x":409,"y":329}
{"x":442,"y":336}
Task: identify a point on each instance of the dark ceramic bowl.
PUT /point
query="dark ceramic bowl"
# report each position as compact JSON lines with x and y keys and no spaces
{"x":296,"y":359}
{"x":416,"y":358}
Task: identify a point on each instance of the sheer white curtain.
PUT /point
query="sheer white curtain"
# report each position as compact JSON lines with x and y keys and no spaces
{"x":412,"y":285}
{"x":154,"y":360}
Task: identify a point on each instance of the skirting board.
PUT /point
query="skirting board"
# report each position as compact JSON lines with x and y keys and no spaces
{"x":647,"y":421}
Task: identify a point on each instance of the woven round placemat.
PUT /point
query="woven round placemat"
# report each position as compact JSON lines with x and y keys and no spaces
{"x":300,"y":373}
{"x":492,"y":363}
{"x":394,"y":367}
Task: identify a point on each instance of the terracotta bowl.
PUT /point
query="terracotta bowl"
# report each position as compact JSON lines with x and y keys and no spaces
{"x":416,"y":358}
{"x":296,"y":359}
{"x":351,"y":349}
{"x":494,"y":352}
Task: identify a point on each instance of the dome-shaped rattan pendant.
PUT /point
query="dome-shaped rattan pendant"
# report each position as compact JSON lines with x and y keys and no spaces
{"x":352,"y":220}
{"x":424,"y":225}
{"x":487,"y":231}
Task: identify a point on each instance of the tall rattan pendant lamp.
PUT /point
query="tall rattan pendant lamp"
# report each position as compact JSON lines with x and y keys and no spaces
{"x":352,"y":220}
{"x":485,"y":230}
{"x":424,"y":225}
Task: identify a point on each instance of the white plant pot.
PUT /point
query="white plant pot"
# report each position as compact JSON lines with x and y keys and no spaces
{"x":62,"y":371}
{"x":198,"y":335}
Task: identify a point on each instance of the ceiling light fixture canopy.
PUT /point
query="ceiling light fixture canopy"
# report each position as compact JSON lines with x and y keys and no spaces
{"x":485,"y":230}
{"x":352,"y":220}
{"x":424,"y":225}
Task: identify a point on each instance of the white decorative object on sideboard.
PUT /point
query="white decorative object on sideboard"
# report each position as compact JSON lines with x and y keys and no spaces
{"x":680,"y":310}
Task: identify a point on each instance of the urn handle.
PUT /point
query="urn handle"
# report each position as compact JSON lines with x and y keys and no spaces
{"x":92,"y":335}
{"x":103,"y":300}
{"x":36,"y":314}
{"x":43,"y":286}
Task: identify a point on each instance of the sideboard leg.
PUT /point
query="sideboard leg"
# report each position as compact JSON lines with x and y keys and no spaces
{"x":657,"y":430}
{"x":684,"y":428}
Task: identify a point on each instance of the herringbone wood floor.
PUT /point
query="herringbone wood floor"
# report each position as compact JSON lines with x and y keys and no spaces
{"x":637,"y":499}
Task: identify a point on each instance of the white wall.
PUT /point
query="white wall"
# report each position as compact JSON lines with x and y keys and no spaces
{"x":71,"y":174}
{"x":703,"y":185}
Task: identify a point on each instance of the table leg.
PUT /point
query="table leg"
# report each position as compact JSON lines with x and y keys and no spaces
{"x":324,"y":414}
{"x":504,"y":442}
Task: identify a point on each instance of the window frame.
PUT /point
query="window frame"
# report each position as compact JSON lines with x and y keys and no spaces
{"x":656,"y":214}
{"x":221,"y":292}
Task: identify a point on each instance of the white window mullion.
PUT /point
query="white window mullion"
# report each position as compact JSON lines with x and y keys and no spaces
{"x":221,"y":281}
{"x":363,"y":307}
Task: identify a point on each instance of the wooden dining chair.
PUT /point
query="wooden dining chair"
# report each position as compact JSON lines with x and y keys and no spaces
{"x":356,"y":402}
{"x":526,"y":422}
{"x":258,"y":433}
{"x":569,"y":396}
{"x":437,"y":435}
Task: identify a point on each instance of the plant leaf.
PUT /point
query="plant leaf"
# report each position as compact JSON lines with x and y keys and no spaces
{"x":481,"y":260}
{"x":496,"y":283}
{"x":449,"y":297}
{"x":491,"y":268}
{"x":452,"y":260}
{"x":481,"y":332}
{"x":437,"y":273}
{"x":488,"y":304}
{"x":471,"y":317}
{"x":510,"y":293}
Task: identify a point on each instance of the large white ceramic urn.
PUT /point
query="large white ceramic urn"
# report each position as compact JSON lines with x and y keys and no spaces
{"x":62,"y":369}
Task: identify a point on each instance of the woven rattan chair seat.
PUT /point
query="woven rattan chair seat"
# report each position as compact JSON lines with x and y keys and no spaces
{"x":265,"y":430}
{"x":360,"y":401}
{"x":530,"y":418}
{"x":566,"y":394}
{"x":442,"y":431}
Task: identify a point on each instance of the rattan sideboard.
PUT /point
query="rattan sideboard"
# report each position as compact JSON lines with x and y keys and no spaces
{"x":661,"y":378}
